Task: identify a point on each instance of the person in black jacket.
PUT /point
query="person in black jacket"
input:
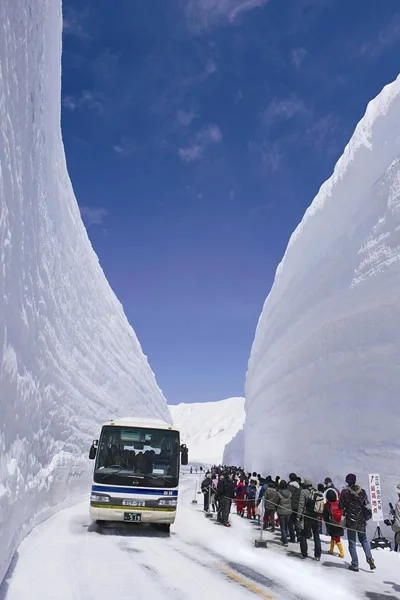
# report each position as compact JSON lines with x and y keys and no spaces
{"x":226,"y":493}
{"x":355,"y":506}
{"x":308,"y":518}
{"x":206,"y":489}
{"x":294,"y":488}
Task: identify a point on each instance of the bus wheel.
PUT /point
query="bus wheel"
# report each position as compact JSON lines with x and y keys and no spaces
{"x":99,"y":523}
{"x":164,"y":527}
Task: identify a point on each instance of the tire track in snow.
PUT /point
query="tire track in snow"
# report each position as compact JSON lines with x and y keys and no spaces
{"x":171,"y":592}
{"x":236,"y":570}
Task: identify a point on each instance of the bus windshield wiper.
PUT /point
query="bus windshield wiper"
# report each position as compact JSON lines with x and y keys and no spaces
{"x":107,"y":475}
{"x":162,"y":478}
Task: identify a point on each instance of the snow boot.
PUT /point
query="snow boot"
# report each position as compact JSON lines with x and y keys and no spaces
{"x":341,"y":551}
{"x":354,"y":568}
{"x":331,"y":548}
{"x":371,"y":563}
{"x":227,"y":524}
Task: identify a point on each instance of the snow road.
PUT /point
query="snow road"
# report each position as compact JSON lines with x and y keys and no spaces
{"x":68,"y":558}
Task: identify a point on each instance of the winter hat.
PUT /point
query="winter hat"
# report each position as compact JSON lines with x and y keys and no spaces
{"x":308,"y":482}
{"x":327,"y":480}
{"x":253,"y":480}
{"x":331,"y":495}
{"x":351,"y":479}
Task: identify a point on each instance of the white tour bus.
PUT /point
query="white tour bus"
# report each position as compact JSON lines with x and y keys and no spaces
{"x":136,"y":472}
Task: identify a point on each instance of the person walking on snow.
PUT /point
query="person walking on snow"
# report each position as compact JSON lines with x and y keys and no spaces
{"x":270,"y":505}
{"x":284,"y":510}
{"x":355,"y":506}
{"x":332,"y":516}
{"x":240,"y":493}
{"x":262,"y":489}
{"x":226,"y":492}
{"x":206,"y":489}
{"x":251,"y":494}
{"x":311,"y":505}
{"x":330,"y":486}
{"x":395,"y":522}
{"x":214,"y":484}
{"x":294,"y":488}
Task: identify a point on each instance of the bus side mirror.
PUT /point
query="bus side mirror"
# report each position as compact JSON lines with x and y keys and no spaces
{"x":93,"y":449}
{"x":184,"y":455}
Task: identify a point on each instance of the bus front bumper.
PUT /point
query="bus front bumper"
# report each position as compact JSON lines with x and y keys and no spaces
{"x":111,"y":513}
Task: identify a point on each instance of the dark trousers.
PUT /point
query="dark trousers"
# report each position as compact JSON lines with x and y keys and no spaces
{"x":310,"y":525}
{"x":225,"y":508}
{"x":284,"y":525}
{"x":293,"y":527}
{"x":269,"y":517}
{"x":206,"y":501}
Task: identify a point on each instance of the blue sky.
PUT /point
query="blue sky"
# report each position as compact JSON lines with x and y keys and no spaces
{"x":197,"y":132}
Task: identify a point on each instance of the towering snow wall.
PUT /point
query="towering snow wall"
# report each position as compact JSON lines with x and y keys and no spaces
{"x":234,"y":450}
{"x":68,"y":356}
{"x":322,"y":391}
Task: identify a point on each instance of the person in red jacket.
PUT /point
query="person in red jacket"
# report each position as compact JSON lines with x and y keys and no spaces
{"x":240,"y":493}
{"x":332,"y":516}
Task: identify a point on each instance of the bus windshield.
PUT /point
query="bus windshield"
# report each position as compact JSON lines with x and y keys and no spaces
{"x":138,"y":456}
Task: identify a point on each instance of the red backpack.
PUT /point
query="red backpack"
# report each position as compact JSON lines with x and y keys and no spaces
{"x":337,"y":514}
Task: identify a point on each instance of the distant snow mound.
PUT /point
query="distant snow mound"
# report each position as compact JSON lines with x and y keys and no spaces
{"x":234,"y":450}
{"x":206,"y":427}
{"x":323,"y":379}
{"x":69,"y":358}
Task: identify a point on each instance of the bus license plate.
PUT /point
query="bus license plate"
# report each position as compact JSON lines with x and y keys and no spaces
{"x":132,"y":517}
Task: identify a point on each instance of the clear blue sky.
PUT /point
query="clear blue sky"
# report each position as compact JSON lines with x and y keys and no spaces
{"x":197,"y":132}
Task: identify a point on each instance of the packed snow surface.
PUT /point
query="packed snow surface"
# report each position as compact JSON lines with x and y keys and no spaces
{"x":322,"y":391}
{"x":68,"y":558}
{"x":206,"y":427}
{"x":69,"y":358}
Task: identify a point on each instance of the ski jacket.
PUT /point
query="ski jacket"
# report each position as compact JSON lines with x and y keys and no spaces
{"x":261,"y":492}
{"x":396,"y":522}
{"x":294,"y":488}
{"x":226,"y":488}
{"x":355,"y":506}
{"x":271,"y":499}
{"x":251,"y":492}
{"x":206,"y":484}
{"x":305,"y":493}
{"x":240,"y":490}
{"x":284,"y":508}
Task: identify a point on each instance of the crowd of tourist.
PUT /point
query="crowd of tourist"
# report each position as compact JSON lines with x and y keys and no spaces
{"x":298,"y":508}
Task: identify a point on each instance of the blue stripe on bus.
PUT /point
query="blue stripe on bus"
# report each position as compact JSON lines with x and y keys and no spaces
{"x":134,"y":490}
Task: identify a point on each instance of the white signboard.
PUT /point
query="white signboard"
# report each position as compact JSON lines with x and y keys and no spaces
{"x":376,"y":497}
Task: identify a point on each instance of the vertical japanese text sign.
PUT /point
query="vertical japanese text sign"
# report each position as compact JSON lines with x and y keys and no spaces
{"x":376,"y":497}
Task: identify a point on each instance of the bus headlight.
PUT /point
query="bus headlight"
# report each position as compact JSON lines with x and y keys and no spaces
{"x":99,"y":498}
{"x":168,"y":502}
